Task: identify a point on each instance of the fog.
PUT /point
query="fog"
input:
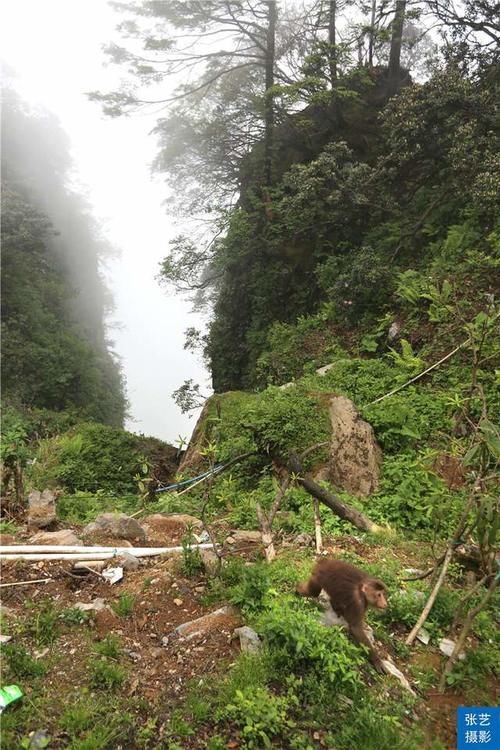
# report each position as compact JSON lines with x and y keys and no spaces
{"x":53,"y":50}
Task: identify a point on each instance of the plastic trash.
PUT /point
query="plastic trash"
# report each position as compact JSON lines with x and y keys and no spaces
{"x":9,"y":694}
{"x":113,"y":575}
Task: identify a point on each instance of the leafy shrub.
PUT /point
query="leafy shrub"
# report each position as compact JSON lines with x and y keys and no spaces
{"x":74,"y":616}
{"x":124,"y":606}
{"x":20,"y":664}
{"x":260,"y":715}
{"x":83,"y":507}
{"x":192,"y":563}
{"x":109,"y":646}
{"x":299,"y":643}
{"x":89,"y":457}
{"x":413,"y":416}
{"x":413,"y":497}
{"x":250,"y":591}
{"x":106,"y":676}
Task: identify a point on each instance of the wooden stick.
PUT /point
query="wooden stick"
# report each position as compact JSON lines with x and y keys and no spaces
{"x":26,"y":583}
{"x":317,"y":526}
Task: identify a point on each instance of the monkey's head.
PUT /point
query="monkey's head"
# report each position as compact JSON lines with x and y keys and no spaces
{"x":374,"y":591}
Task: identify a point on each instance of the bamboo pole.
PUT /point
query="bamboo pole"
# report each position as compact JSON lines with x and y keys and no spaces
{"x":26,"y":583}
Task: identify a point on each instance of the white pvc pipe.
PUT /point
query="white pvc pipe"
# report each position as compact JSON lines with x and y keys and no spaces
{"x":40,"y":552}
{"x":27,"y":548}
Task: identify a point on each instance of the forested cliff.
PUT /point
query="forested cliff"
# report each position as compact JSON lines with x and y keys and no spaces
{"x":345,"y":159}
{"x":55,"y":354}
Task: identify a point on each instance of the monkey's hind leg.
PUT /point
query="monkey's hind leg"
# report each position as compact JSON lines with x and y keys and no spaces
{"x":309,"y":588}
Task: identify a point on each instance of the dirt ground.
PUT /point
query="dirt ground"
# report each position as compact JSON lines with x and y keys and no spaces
{"x":160,"y":664}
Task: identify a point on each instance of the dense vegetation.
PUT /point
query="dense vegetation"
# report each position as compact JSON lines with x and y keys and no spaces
{"x":353,"y":188}
{"x":55,"y":356}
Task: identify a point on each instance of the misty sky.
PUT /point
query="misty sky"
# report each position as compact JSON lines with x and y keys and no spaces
{"x":54,"y":47}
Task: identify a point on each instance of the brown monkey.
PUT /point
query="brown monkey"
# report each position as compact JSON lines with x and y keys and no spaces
{"x":351,"y":591}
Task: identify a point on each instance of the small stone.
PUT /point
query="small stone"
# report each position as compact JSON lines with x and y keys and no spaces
{"x":178,"y":602}
{"x":5,"y":638}
{"x":230,"y":540}
{"x":128,"y":561}
{"x":210,"y":561}
{"x":249,"y":640}
{"x":96,"y":605}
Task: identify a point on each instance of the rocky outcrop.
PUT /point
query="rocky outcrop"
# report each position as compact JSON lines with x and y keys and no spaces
{"x":41,"y":509}
{"x":116,"y":525}
{"x":355,"y":456}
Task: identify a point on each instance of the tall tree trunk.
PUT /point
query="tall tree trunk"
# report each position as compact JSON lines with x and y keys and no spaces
{"x":332,"y":41}
{"x":396,"y":40}
{"x":268,"y":97}
{"x":371,"y":41}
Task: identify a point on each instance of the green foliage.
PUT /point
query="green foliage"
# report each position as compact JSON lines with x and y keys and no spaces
{"x":43,"y":624}
{"x":281,"y":420}
{"x":405,"y":607}
{"x":289,"y":348}
{"x":412,"y":497}
{"x":471,"y":672}
{"x":124,"y":606}
{"x":299,"y":643}
{"x":83,"y":507}
{"x":249,"y":593}
{"x":370,"y":728}
{"x":260,"y":716}
{"x":409,"y":418}
{"x":74,"y":616}
{"x":89,"y":457}
{"x":109,"y":646}
{"x":20,"y":664}
{"x":105,"y":675}
{"x":192,"y":563}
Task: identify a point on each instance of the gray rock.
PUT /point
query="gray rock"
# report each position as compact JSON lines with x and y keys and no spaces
{"x":118,"y":525}
{"x":321,"y":371}
{"x":97,"y":605}
{"x":65,"y":536}
{"x":41,"y":509}
{"x":244,"y":536}
{"x":210,"y":561}
{"x":394,"y":330}
{"x":304,"y":539}
{"x":355,"y":456}
{"x":224,"y":617}
{"x":249,"y":640}
{"x":128,"y":561}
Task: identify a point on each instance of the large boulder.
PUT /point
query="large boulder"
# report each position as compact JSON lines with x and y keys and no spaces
{"x":355,"y":456}
{"x":65,"y":536}
{"x":41,"y":509}
{"x":116,"y":525}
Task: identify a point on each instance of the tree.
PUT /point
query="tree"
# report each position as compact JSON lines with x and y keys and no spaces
{"x":222,"y":48}
{"x":396,"y":41}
